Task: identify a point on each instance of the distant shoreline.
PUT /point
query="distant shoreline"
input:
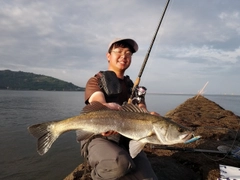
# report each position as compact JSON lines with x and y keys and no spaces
{"x":19,"y":80}
{"x":149,"y":93}
{"x":41,"y":90}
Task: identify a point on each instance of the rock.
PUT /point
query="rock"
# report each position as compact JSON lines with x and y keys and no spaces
{"x":79,"y":173}
{"x":216,"y":125}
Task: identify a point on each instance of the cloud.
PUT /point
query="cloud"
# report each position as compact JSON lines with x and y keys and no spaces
{"x":197,"y":41}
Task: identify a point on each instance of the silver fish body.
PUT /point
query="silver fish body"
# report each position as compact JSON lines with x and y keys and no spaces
{"x":130,"y":121}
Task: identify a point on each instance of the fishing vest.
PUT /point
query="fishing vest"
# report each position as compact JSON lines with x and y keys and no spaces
{"x":110,"y":85}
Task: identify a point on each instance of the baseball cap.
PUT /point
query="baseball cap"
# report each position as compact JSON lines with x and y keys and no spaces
{"x":131,"y":42}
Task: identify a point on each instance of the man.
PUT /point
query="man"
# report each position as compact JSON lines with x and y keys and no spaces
{"x":108,"y":155}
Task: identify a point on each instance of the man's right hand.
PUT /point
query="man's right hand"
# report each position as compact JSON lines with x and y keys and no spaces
{"x":108,"y":133}
{"x":112,"y":105}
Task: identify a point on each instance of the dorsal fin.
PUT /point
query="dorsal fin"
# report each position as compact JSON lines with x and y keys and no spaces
{"x":132,"y":108}
{"x":94,"y":106}
{"x":97,"y":106}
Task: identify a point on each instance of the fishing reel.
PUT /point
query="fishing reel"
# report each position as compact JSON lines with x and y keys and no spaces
{"x":140,"y":92}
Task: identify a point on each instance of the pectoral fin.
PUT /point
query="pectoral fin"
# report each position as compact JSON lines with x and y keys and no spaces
{"x":135,"y":147}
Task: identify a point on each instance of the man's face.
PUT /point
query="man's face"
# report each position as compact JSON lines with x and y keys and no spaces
{"x":119,"y":58}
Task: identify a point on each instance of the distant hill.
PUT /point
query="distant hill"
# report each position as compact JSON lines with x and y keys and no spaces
{"x":18,"y":80}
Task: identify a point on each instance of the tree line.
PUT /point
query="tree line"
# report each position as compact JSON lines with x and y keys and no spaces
{"x":18,"y":80}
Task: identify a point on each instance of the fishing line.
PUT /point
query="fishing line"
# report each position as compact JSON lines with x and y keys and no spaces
{"x":231,"y":147}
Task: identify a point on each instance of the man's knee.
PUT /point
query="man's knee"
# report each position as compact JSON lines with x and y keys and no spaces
{"x":113,"y":168}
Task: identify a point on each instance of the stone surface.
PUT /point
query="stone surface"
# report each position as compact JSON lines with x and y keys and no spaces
{"x":217,"y":127}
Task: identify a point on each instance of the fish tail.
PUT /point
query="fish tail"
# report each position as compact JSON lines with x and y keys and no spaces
{"x":45,"y":134}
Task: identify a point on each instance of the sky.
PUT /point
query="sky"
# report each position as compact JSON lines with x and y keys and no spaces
{"x":198,"y":41}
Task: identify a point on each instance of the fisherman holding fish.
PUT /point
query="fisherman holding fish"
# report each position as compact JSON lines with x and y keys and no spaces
{"x":109,"y":155}
{"x":112,"y":136}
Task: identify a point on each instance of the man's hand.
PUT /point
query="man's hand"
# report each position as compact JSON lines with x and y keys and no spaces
{"x":112,"y":105}
{"x":155,"y":113}
{"x":143,"y":106}
{"x":108,"y":133}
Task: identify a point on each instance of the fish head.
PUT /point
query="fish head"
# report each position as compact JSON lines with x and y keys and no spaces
{"x":177,"y":134}
{"x":170,"y":132}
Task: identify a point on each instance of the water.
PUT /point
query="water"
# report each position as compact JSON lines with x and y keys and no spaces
{"x":20,"y":109}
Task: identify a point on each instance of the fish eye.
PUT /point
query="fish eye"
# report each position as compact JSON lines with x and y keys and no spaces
{"x":180,"y":129}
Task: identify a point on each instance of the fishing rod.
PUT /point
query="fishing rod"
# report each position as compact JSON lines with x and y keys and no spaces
{"x":191,"y":150}
{"x":224,"y":150}
{"x":136,"y":83}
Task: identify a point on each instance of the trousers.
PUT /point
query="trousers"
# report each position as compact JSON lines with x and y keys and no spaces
{"x":110,"y":161}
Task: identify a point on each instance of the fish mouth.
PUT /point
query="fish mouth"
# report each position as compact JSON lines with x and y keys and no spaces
{"x":188,"y":136}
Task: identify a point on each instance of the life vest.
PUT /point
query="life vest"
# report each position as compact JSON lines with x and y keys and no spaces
{"x":110,"y":85}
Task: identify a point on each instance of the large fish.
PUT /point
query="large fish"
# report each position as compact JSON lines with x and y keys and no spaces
{"x":130,"y":121}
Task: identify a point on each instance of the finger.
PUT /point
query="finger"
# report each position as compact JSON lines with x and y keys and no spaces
{"x":108,"y":133}
{"x":155,"y":113}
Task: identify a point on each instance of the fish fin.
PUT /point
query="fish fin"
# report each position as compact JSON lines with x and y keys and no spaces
{"x":43,"y":132}
{"x":132,"y":108}
{"x":135,"y":147}
{"x":94,"y":106}
{"x":97,"y":106}
{"x":82,"y":135}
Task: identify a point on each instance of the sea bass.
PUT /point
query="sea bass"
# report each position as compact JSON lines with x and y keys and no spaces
{"x":130,"y":121}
